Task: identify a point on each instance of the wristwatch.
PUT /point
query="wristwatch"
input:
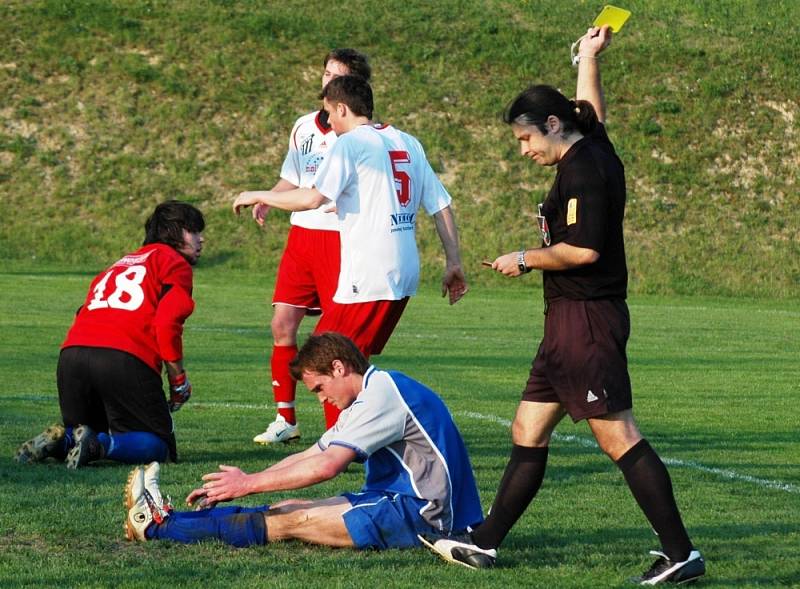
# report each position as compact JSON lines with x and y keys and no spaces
{"x":521,"y":262}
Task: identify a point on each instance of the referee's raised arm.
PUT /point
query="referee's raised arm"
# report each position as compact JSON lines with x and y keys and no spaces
{"x":589,"y":86}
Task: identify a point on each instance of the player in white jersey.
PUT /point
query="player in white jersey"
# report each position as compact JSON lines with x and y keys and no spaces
{"x":376,"y":177}
{"x":309,"y":267}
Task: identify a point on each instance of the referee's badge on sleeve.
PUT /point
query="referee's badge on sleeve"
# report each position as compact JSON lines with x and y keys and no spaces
{"x":572,"y":211}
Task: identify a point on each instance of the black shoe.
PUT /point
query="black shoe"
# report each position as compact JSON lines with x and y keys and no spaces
{"x":46,"y":444}
{"x":460,"y":549}
{"x":87,"y":448}
{"x":665,"y":570}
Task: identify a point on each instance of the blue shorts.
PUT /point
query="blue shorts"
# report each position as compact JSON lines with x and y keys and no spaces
{"x":385,"y":520}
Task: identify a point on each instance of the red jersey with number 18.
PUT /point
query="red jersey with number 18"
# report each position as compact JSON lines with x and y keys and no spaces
{"x":138,"y":306}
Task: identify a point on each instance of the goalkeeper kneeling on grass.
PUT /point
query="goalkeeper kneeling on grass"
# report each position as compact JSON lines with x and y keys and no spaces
{"x":109,"y":371}
{"x":418,"y":474}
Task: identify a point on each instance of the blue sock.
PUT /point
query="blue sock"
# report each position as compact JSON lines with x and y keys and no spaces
{"x":134,"y":447}
{"x":218,"y":511}
{"x":238,"y":527}
{"x":66,"y":444}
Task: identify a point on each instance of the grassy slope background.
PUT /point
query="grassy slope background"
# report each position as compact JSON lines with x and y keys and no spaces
{"x":109,"y":107}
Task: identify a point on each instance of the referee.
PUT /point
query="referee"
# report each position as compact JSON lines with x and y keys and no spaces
{"x":581,"y":366}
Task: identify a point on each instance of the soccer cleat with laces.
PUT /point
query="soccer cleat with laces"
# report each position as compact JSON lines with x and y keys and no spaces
{"x":279,"y":431}
{"x":665,"y":570}
{"x":46,"y":444}
{"x":87,"y":448}
{"x":151,"y":473}
{"x":460,"y":549}
{"x":143,"y":508}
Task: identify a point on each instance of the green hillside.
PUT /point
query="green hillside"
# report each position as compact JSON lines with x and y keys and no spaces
{"x":110,"y":107}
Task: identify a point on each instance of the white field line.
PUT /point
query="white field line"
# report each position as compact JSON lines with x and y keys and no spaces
{"x":588,"y":443}
{"x":569,"y":438}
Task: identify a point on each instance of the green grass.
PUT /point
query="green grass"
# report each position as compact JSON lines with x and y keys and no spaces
{"x":109,"y":106}
{"x":715,"y":392}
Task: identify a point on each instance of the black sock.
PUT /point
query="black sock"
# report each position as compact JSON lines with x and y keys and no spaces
{"x":519,"y":485}
{"x":651,"y":486}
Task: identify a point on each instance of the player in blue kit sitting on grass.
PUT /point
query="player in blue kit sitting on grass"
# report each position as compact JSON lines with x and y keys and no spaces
{"x":418,"y":474}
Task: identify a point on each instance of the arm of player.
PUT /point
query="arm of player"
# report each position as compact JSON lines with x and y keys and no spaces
{"x":454,"y":282}
{"x":313,"y":466}
{"x":561,"y":256}
{"x":299,"y":199}
{"x":260,"y":210}
{"x":199,"y":496}
{"x":589,"y":86}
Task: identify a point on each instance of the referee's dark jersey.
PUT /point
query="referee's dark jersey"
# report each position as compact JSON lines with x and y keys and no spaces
{"x":585,"y":208}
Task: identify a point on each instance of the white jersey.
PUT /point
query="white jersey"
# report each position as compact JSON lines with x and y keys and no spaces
{"x":378,"y":177}
{"x":308,"y":144}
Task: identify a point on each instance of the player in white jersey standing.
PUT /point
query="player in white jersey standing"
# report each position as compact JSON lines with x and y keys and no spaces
{"x":376,"y":177}
{"x":309,"y":268}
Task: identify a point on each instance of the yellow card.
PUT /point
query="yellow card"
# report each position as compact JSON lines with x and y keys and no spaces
{"x":613,"y":17}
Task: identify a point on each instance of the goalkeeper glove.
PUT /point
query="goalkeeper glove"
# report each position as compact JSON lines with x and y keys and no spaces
{"x":180,"y":389}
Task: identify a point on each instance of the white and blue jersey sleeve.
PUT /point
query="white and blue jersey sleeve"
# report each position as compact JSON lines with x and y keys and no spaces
{"x":410,"y":445}
{"x":375,"y":419}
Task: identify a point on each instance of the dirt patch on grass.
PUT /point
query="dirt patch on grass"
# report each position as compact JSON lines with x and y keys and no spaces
{"x":787,"y":110}
{"x":748,"y":162}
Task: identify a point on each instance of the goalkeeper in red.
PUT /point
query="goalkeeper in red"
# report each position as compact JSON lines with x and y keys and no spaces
{"x":128,"y":329}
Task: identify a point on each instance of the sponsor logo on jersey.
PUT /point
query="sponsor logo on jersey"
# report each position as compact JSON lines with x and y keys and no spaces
{"x":305,"y":146}
{"x":134,"y":260}
{"x":572,"y":211}
{"x":312,"y":164}
{"x":402,"y":221}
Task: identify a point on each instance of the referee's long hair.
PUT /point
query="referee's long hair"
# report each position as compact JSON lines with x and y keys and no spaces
{"x":168,"y":221}
{"x":537,"y":102}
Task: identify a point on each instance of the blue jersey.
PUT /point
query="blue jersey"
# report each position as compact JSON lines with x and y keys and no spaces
{"x":410,"y":445}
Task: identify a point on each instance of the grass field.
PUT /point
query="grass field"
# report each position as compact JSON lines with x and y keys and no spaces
{"x":715,"y":385}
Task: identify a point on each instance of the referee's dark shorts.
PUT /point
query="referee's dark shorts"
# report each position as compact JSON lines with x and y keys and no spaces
{"x":581,"y":362}
{"x":110,"y":390}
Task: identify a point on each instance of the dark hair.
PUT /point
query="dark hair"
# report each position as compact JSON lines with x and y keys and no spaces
{"x":353,"y":91}
{"x":319,"y":352}
{"x":168,"y":221}
{"x":355,"y":62}
{"x":535,"y":104}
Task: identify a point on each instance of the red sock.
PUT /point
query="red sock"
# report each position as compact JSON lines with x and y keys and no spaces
{"x":284,"y":386}
{"x":331,"y":414}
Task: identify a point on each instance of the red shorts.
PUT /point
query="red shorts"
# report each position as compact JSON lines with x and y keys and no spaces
{"x":309,"y":270}
{"x":581,"y":362}
{"x":369,"y":325}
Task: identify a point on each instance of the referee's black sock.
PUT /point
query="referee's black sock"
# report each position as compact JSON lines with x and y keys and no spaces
{"x":519,"y":485}
{"x":650,"y":484}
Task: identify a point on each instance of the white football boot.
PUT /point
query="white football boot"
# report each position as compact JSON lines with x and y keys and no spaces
{"x":279,"y":431}
{"x":460,"y":549}
{"x":151,"y":473}
{"x":142,"y":507}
